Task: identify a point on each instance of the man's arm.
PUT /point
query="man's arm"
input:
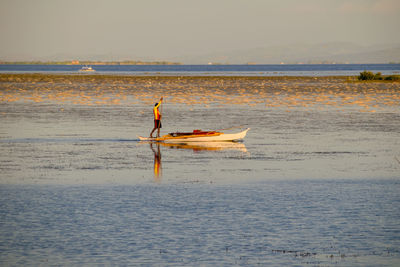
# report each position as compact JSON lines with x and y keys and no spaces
{"x":159,"y":103}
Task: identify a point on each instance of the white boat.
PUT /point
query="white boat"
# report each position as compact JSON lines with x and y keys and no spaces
{"x":197,"y":136}
{"x":87,"y":69}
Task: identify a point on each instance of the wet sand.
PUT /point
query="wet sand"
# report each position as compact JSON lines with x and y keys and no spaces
{"x":268,"y":92}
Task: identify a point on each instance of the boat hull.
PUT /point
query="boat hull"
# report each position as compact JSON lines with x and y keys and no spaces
{"x":221,"y":137}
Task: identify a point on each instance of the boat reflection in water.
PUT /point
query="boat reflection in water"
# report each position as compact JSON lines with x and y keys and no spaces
{"x":157,"y":161}
{"x":208,"y":146}
{"x":195,"y":146}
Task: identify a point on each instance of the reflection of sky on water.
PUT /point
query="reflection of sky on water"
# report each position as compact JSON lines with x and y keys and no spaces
{"x":340,"y":222}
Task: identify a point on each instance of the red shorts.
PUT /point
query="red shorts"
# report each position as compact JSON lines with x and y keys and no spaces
{"x":157,"y":124}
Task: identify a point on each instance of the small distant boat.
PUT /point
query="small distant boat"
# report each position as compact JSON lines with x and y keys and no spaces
{"x":87,"y":69}
{"x":197,"y":136}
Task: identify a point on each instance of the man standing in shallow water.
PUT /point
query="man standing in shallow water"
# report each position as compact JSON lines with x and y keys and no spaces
{"x":157,"y":119}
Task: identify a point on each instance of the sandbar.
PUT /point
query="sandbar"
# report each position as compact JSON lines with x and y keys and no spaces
{"x":268,"y":92}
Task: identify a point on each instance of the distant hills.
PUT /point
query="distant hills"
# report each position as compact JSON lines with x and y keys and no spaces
{"x":302,"y":53}
{"x":327,"y":53}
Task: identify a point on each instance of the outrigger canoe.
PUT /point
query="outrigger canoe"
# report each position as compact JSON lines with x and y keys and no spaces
{"x":197,"y":136}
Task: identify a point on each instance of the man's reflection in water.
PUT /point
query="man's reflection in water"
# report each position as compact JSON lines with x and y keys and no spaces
{"x":157,"y":162}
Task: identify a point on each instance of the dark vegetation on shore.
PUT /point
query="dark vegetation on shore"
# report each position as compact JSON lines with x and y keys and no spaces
{"x":370,"y":76}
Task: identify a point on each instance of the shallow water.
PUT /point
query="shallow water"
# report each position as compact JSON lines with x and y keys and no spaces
{"x":307,"y":222}
{"x":310,"y":185}
{"x":95,"y":145}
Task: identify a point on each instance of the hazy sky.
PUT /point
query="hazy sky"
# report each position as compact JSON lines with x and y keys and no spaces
{"x":164,"y":29}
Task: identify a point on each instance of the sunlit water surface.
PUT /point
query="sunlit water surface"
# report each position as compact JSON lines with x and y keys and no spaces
{"x":306,"y":187}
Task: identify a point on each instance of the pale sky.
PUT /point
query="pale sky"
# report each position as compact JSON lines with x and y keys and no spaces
{"x":164,"y":29}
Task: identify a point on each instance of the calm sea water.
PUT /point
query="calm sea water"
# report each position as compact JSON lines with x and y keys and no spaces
{"x":289,"y":223}
{"x":209,"y":70}
{"x":306,"y":187}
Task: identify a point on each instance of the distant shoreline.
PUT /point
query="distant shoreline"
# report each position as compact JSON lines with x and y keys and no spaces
{"x":78,"y":63}
{"x":132,"y":62}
